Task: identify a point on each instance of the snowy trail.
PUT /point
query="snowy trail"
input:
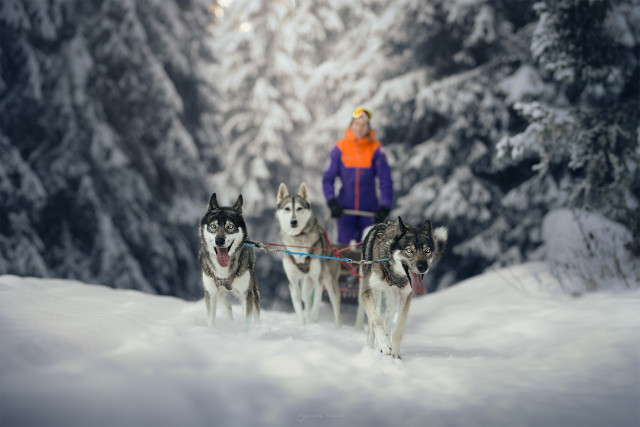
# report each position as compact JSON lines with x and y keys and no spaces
{"x":503,"y":349}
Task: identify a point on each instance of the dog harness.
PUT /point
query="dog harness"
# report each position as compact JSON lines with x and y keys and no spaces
{"x":394,"y":279}
{"x":225,"y":282}
{"x":305,"y":265}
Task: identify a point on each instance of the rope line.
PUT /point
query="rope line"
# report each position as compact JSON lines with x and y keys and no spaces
{"x":266,"y":248}
{"x":352,"y":270}
{"x":313,"y":247}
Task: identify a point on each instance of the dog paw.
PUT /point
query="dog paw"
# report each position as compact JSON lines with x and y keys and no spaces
{"x":396,"y":356}
{"x":385,"y":349}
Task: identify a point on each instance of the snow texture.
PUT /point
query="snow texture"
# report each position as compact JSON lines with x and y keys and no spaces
{"x":502,"y":349}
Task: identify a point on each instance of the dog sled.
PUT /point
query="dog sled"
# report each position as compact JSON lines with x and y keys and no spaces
{"x":349,"y":279}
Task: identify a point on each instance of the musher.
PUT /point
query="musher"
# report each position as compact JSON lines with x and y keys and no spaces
{"x":357,"y":160}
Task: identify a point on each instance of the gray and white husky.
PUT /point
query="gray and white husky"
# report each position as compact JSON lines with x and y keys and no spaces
{"x":300,"y":232}
{"x":226,"y":264}
{"x":411,"y":253}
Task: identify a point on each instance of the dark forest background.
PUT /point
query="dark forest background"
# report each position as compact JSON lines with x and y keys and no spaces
{"x":118,"y":119}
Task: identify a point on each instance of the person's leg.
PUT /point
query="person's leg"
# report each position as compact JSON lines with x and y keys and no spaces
{"x":347,"y":229}
{"x":363,"y":222}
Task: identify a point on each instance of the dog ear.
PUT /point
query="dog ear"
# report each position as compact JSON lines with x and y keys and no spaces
{"x":213,"y":202}
{"x":441,"y":235}
{"x":283,"y":192}
{"x":403,"y":228}
{"x":303,"y":192}
{"x":238,"y":205}
{"x":426,"y":227}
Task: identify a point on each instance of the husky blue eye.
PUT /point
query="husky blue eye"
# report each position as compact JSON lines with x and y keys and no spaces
{"x":427,"y":250}
{"x":409,"y":250}
{"x":230,"y":226}
{"x":212,"y":226}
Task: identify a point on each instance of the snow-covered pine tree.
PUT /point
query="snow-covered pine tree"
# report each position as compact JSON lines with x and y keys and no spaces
{"x":105,"y":129}
{"x":258,"y":80}
{"x":591,"y":135}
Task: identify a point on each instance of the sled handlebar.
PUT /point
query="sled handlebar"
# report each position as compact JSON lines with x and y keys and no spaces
{"x":352,"y":212}
{"x":358,"y":213}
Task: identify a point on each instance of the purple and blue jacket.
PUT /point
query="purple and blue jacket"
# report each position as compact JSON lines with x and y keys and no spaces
{"x":358,"y":162}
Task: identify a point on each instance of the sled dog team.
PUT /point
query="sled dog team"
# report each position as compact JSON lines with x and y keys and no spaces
{"x":228,"y":266}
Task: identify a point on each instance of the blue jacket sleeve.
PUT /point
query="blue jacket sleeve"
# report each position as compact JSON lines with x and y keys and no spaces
{"x":330,"y":174}
{"x":383,"y":171}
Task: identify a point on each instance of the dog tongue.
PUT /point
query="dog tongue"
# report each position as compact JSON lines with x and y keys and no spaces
{"x":223,"y":257}
{"x":416,"y":284}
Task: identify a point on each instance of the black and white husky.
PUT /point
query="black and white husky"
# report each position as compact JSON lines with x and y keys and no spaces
{"x":226,"y":264}
{"x":300,"y":232}
{"x":411,"y":253}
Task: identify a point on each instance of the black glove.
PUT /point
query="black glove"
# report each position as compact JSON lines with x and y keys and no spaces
{"x":381,"y":214}
{"x":336,"y":210}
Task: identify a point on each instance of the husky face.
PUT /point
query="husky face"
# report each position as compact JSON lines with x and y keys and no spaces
{"x":294,"y":210}
{"x":223,"y":229}
{"x":416,"y":251}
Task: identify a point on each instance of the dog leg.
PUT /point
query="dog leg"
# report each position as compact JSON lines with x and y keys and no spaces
{"x":370,"y":336}
{"x":316,"y":288}
{"x":296,"y":299}
{"x":306,"y":299}
{"x":210,"y":301}
{"x":375,"y":323}
{"x":377,"y":303}
{"x":391,"y":302}
{"x":250,"y":307}
{"x":247,"y":310}
{"x":256,"y":299}
{"x":210,"y":292}
{"x":334,"y":297}
{"x":360,"y":314}
{"x":399,"y":330}
{"x":226,"y":305}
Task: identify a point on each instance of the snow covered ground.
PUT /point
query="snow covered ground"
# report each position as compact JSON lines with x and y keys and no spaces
{"x":508,"y":348}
